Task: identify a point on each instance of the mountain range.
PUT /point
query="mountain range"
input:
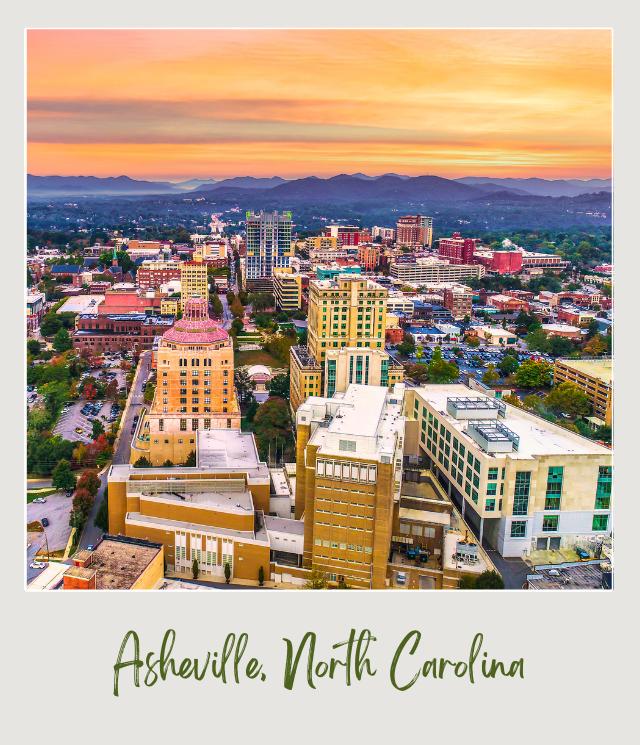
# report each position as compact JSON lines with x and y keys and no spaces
{"x":341,"y":188}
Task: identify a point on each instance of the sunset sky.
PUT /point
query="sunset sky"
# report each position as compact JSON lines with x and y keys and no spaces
{"x":182,"y":104}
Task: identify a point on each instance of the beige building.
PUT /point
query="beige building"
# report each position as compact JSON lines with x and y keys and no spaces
{"x":361,"y":366}
{"x":594,"y":377}
{"x":346,"y":314}
{"x":195,"y":388}
{"x":431,"y":269}
{"x":526,"y":484}
{"x":348,"y":477}
{"x":193,"y":281}
{"x":287,"y":289}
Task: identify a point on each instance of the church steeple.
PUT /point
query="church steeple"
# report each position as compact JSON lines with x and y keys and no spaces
{"x":114,"y":260}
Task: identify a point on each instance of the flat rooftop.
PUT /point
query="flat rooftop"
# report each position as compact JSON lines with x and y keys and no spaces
{"x":597,"y":368}
{"x":537,"y":436}
{"x":224,"y":449}
{"x":234,"y":500}
{"x":567,"y":577}
{"x":81,"y":304}
{"x":119,"y":563}
{"x":247,"y":535}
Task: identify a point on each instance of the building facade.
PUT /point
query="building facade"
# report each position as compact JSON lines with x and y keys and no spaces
{"x":415,"y":231}
{"x":287,"y":289}
{"x":526,"y":484}
{"x":348,"y":475}
{"x":593,"y":377}
{"x":268,"y":245}
{"x":195,"y":388}
{"x":132,"y":332}
{"x":194,"y":282}
{"x":457,"y":250}
{"x":430,"y":269}
{"x":152,"y":274}
{"x":458,"y":301}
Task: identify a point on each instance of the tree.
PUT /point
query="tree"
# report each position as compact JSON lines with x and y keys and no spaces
{"x":593,"y":328}
{"x":568,"y":399}
{"x":595,"y":346}
{"x":508,"y":365}
{"x":50,"y":324}
{"x":526,"y":322}
{"x":236,"y":326}
{"x":537,"y":341}
{"x":251,"y":409}
{"x":89,"y":391}
{"x":90,"y":481}
{"x":408,"y":345}
{"x":532,"y":374}
{"x":168,"y":463}
{"x":236,"y":308}
{"x":102,"y":516}
{"x":272,"y":426}
{"x":142,"y":462}
{"x":261,"y":300}
{"x":97,"y":428}
{"x":489,"y":580}
{"x":62,"y":341}
{"x":560,"y":346}
{"x":195,"y":569}
{"x":261,"y":576}
{"x":62,"y":477}
{"x":216,"y":307}
{"x":279,"y":386}
{"x":33,"y":347}
{"x":316,"y":581}
{"x":243,"y":383}
{"x":472,"y":341}
{"x":419,"y":373}
{"x":149,"y":392}
{"x":440,"y":371}
{"x":82,"y":503}
{"x":227,"y":572}
{"x":491,"y":376}
{"x":190,"y":462}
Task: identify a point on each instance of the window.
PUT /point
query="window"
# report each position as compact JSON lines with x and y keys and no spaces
{"x":550,"y":523}
{"x":519,"y":529}
{"x":603,"y":489}
{"x":600,"y":522}
{"x":183,"y":425}
{"x":552,"y":503}
{"x":492,"y":474}
{"x":521,"y":493}
{"x":490,"y":505}
{"x":492,"y":489}
{"x":554,"y":488}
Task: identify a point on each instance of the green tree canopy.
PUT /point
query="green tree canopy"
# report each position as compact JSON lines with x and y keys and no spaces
{"x":62,"y":476}
{"x":568,"y":399}
{"x":532,"y":374}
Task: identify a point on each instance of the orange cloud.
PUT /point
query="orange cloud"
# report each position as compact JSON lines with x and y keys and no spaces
{"x":176,"y":104}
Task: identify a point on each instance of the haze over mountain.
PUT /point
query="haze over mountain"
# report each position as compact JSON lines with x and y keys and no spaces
{"x":341,"y":188}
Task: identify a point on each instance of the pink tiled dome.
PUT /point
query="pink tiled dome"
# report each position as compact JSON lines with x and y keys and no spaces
{"x":195,"y":326}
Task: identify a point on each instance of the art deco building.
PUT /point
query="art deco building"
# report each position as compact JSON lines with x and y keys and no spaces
{"x":193,"y":281}
{"x":194,"y":391}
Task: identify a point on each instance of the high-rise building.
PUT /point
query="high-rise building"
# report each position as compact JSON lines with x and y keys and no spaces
{"x":195,"y":388}
{"x":458,"y":300}
{"x":457,"y":250}
{"x":346,"y":313}
{"x":414,"y":230}
{"x":268,"y":246}
{"x":152,"y":274}
{"x":348,"y":475}
{"x":347,"y":365}
{"x":194,"y":282}
{"x":368,"y":256}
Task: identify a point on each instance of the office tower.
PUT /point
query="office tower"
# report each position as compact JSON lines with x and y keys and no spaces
{"x":194,"y":282}
{"x":268,"y":247}
{"x":457,"y":250}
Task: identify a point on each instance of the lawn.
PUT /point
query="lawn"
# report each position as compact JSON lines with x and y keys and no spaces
{"x":31,"y":495}
{"x":257,"y":357}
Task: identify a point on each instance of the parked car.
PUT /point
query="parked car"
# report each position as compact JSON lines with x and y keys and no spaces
{"x":37,"y":565}
{"x":39,"y":500}
{"x":401,"y":578}
{"x":45,"y":522}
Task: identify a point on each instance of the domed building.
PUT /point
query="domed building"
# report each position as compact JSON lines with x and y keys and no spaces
{"x":195,"y":388}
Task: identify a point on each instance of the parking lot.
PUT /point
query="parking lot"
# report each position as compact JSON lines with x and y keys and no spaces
{"x":57,"y":510}
{"x":75,"y":426}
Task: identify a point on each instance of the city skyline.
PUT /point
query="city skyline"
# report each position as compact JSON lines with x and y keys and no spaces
{"x":222,"y":103}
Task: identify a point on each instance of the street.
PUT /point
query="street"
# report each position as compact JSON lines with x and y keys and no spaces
{"x":91,"y":534}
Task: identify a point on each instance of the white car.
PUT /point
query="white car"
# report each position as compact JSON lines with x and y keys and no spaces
{"x":37,"y":565}
{"x":401,"y":578}
{"x":39,"y":500}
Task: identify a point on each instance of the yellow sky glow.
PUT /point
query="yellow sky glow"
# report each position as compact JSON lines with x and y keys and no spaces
{"x":216,"y":103}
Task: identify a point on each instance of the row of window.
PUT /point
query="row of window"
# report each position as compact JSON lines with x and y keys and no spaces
{"x":551,"y":524}
{"x":346,"y":471}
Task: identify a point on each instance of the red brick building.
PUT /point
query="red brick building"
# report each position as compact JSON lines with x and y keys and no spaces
{"x":500,"y":262}
{"x":414,"y":230}
{"x":133,"y":332}
{"x":368,"y":256}
{"x":152,"y":274}
{"x":457,"y":250}
{"x":129,"y":301}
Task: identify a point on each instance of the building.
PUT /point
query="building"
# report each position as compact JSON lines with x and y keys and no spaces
{"x":360,"y":366}
{"x":194,"y":282}
{"x":399,"y":303}
{"x":563,"y":329}
{"x":169,"y":306}
{"x":385,"y":234}
{"x":575,"y":316}
{"x":457,"y":250}
{"x":415,"y":231}
{"x":548,"y":262}
{"x":213,"y":512}
{"x":499,"y":262}
{"x":430,"y":269}
{"x":345,"y":312}
{"x":458,"y":301}
{"x":268,"y":246}
{"x":152,"y":274}
{"x":347,"y":235}
{"x":507,"y":303}
{"x":287,"y":289}
{"x":212,"y":251}
{"x":134,"y":332}
{"x":117,"y":563}
{"x":593,"y":376}
{"x":195,"y":389}
{"x":525,"y":484}
{"x":368,"y":256}
{"x":348,"y":477}
{"x":322,"y":243}
{"x":35,"y":310}
{"x":331,"y":271}
{"x":494,"y":335}
{"x":129,"y":300}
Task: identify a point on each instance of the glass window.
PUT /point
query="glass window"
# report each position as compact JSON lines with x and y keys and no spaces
{"x":492,"y":474}
{"x":519,"y":529}
{"x":600,"y":522}
{"x":550,"y":523}
{"x":490,"y":505}
{"x":521,"y":493}
{"x":492,"y":489}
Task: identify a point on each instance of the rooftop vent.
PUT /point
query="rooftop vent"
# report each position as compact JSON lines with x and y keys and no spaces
{"x":493,"y":437}
{"x":475,"y":407}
